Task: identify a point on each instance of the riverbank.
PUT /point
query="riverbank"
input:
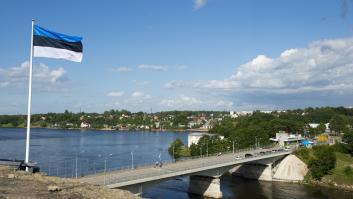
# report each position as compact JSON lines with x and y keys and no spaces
{"x":341,"y":177}
{"x":109,"y":129}
{"x":19,"y":184}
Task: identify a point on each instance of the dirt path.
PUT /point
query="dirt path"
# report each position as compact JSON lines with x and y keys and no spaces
{"x":19,"y":184}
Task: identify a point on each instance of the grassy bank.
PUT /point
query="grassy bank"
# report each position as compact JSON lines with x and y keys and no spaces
{"x":342,"y":174}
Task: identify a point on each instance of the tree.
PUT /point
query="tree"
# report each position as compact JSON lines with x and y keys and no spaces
{"x":337,"y":123}
{"x":348,"y":139}
{"x":177,"y":149}
{"x":322,"y":162}
{"x":321,"y":128}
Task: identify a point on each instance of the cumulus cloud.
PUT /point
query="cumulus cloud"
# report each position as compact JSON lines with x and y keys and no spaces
{"x":115,"y":94}
{"x":43,"y":76}
{"x":122,"y":69}
{"x":325,"y":65}
{"x":153,"y":67}
{"x":181,"y":101}
{"x":140,"y":83}
{"x":199,"y":4}
{"x":139,"y":97}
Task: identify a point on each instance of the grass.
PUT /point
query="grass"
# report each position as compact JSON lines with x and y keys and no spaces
{"x":339,"y":174}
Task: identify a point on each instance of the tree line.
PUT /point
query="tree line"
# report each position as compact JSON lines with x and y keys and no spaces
{"x":256,"y":129}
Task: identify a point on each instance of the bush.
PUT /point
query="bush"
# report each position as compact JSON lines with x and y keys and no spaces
{"x":303,"y":154}
{"x":341,"y":148}
{"x":348,"y":170}
{"x":322,"y":162}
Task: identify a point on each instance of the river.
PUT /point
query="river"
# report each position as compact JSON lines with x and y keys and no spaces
{"x":68,"y":153}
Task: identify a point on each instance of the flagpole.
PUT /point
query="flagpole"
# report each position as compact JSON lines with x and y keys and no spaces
{"x":29,"y":99}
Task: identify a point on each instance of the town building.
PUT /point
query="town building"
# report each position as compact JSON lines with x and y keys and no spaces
{"x":283,"y":138}
{"x":193,"y":138}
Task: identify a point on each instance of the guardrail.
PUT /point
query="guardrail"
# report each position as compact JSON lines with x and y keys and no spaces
{"x":80,"y":167}
{"x":196,"y":166}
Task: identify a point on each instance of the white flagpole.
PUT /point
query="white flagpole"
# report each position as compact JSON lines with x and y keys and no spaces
{"x":29,"y":99}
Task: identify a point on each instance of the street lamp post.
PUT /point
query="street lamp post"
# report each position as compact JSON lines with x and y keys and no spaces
{"x":233,"y":146}
{"x":207,"y":148}
{"x":132,"y":159}
{"x":76,"y":162}
{"x":173,"y":154}
{"x":255,"y":142}
{"x":105,"y":167}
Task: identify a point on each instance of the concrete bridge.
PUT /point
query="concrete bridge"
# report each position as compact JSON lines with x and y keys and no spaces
{"x":204,"y":172}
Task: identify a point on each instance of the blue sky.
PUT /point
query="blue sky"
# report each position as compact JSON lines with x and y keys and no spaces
{"x":181,"y":55}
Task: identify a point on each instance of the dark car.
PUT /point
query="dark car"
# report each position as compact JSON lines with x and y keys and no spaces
{"x":248,"y":155}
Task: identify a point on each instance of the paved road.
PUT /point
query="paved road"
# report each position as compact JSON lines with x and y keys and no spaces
{"x":127,"y":177}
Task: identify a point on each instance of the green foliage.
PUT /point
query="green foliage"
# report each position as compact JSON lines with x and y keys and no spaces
{"x":348,"y":170}
{"x":341,"y":148}
{"x":226,"y":127}
{"x":303,"y":154}
{"x":209,"y":145}
{"x":338,"y":123}
{"x":322,"y":162}
{"x":348,"y":139}
{"x":177,"y":149}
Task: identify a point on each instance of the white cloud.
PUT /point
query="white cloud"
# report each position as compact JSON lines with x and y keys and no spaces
{"x":122,"y":69}
{"x":199,"y":4}
{"x":181,"y":67}
{"x":325,"y":65}
{"x":115,"y":94}
{"x":137,"y":98}
{"x":182,"y":101}
{"x":224,"y":104}
{"x":153,"y":67}
{"x":140,"y":83}
{"x":43,"y":76}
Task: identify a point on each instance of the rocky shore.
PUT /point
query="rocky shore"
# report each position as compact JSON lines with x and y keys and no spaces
{"x":19,"y":184}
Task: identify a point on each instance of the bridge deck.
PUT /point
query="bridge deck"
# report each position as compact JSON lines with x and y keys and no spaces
{"x":121,"y":178}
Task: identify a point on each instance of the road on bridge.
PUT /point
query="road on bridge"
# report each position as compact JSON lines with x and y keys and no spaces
{"x":121,"y":178}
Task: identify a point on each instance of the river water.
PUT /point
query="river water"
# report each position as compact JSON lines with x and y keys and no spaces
{"x":68,"y":153}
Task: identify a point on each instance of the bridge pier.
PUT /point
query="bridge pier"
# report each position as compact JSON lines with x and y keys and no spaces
{"x":206,"y":186}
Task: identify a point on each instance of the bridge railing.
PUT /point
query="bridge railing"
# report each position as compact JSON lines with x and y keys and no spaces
{"x":110,"y":178}
{"x":79,"y":167}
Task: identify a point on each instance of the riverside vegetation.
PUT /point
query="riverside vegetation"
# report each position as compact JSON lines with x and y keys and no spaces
{"x":327,"y":164}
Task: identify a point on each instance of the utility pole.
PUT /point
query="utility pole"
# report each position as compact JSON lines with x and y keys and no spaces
{"x":132,"y":160}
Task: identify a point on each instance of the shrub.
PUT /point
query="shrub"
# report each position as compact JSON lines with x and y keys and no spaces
{"x":323,"y":161}
{"x":348,"y":170}
{"x":339,"y":147}
{"x":303,"y":154}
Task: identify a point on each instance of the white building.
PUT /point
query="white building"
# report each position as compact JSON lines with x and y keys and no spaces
{"x":193,"y":138}
{"x":85,"y":125}
{"x":315,"y":125}
{"x":283,"y":138}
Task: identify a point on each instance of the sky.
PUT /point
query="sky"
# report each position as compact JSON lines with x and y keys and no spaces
{"x":159,"y":55}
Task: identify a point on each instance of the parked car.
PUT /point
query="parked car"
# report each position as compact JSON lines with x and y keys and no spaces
{"x":238,"y":157}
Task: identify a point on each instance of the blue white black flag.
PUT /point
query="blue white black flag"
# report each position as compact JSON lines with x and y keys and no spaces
{"x":56,"y":45}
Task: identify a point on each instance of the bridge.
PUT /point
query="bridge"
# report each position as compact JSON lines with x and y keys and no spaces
{"x":204,"y":172}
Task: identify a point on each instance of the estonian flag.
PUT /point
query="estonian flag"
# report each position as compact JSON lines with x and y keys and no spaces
{"x":55,"y":45}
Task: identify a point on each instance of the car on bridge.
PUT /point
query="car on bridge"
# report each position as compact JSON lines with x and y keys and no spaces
{"x":238,"y":157}
{"x":248,"y":155}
